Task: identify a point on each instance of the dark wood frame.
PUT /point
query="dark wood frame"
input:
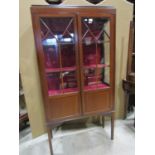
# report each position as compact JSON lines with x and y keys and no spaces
{"x":76,"y":12}
{"x":131,"y":53}
{"x":128,"y":84}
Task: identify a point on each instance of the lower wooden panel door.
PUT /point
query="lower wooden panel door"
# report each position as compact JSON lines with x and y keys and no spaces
{"x":97,"y":101}
{"x":63,"y":107}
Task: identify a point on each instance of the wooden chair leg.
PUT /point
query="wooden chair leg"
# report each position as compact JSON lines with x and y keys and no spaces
{"x":112,"y":125}
{"x":50,"y":140}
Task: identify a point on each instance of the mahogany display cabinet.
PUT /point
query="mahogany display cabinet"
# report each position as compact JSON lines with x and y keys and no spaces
{"x":76,"y":58}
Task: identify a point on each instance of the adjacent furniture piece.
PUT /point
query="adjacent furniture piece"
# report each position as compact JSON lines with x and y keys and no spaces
{"x":129,"y":82}
{"x":76,"y":57}
{"x":23,"y":115}
{"x":129,"y":88}
{"x":131,"y":54}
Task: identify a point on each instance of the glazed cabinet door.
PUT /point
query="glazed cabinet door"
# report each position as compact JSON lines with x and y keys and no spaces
{"x":97,"y":61}
{"x":56,"y":41}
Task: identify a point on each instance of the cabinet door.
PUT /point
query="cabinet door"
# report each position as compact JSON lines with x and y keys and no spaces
{"x":58,"y":58}
{"x":97,"y":56}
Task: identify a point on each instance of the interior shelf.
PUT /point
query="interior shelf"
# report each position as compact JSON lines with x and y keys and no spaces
{"x":95,"y":87}
{"x":63,"y":91}
{"x":60,"y":43}
{"x":50,"y":70}
{"x":97,"y":42}
{"x":96,"y":66}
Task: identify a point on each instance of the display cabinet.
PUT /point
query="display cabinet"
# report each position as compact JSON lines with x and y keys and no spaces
{"x":76,"y":57}
{"x":128,"y":83}
{"x":131,"y":54}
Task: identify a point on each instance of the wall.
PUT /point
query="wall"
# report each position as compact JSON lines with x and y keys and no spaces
{"x":28,"y":61}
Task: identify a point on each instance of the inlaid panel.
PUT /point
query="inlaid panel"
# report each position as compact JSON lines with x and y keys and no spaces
{"x":98,"y":101}
{"x":61,"y":107}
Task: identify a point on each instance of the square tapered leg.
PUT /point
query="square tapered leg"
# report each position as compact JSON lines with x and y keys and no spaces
{"x":112,"y":125}
{"x":49,"y":131}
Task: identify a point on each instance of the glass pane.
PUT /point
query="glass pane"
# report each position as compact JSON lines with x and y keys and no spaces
{"x":96,"y":78}
{"x":69,"y":81}
{"x":54,"y":84}
{"x":96,"y":41}
{"x":96,"y":51}
{"x":107,"y":54}
{"x":106,"y":31}
{"x":105,"y":74}
{"x":89,"y":77}
{"x":58,"y":41}
{"x":68,"y":56}
{"x":51,"y":56}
